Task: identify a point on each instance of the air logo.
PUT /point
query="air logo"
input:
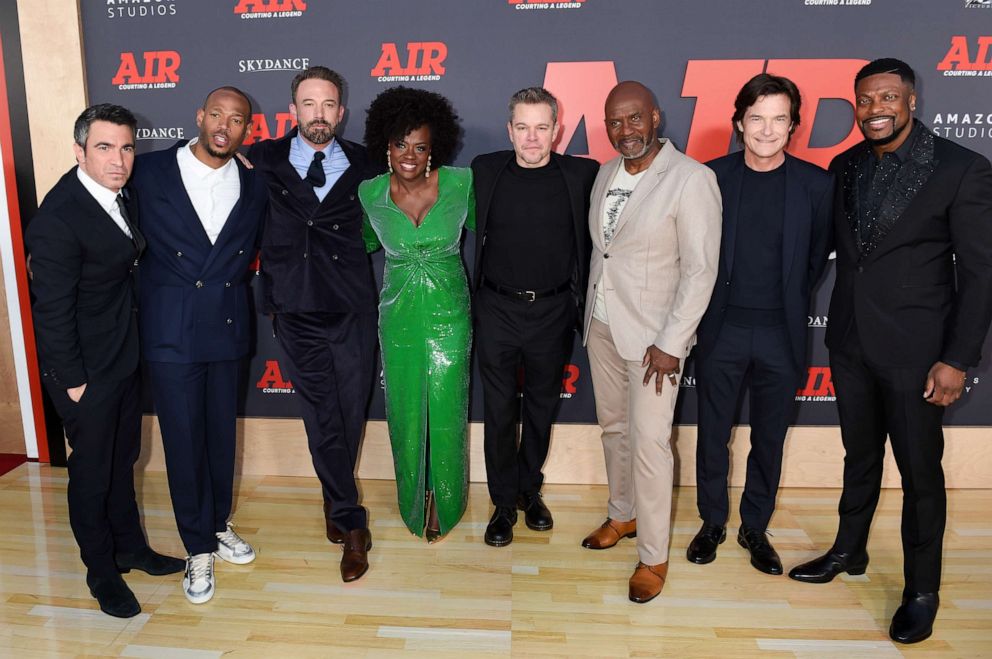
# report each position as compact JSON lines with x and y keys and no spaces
{"x":959,"y":62}
{"x":568,"y":380}
{"x":424,"y":61}
{"x":582,"y":87}
{"x":262,"y":130}
{"x":272,"y":381}
{"x":159,"y":69}
{"x":251,"y":9}
{"x":819,"y":386}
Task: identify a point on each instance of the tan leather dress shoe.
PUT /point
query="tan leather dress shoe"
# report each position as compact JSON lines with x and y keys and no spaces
{"x":610,"y":533}
{"x":647,"y":581}
{"x":355,"y":559}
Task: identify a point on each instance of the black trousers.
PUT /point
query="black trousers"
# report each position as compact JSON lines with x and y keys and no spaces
{"x":197,"y":407}
{"x":104,"y":432}
{"x":878,"y":401}
{"x":331,"y":364}
{"x":763,"y":353}
{"x":536,"y":336}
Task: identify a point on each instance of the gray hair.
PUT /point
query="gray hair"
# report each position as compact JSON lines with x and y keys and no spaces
{"x":533,"y":96}
{"x":114,"y":114}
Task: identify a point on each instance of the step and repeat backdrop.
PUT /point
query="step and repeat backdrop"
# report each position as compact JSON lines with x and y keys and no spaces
{"x":160,"y":58}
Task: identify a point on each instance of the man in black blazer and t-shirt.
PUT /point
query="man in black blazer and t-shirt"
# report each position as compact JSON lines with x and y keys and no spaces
{"x":909,"y":314}
{"x":317,"y":284}
{"x":84,"y":245}
{"x":776,"y":229}
{"x":531,"y":266}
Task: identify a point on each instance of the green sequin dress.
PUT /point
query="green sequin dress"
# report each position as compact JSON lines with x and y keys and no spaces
{"x":425,"y":332}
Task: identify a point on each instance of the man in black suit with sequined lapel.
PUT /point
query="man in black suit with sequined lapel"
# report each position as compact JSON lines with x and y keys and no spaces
{"x":910,"y":310}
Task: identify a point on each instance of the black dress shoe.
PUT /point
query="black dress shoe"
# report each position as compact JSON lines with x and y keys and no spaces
{"x":536,"y":514}
{"x":828,"y":566}
{"x":764,"y":558}
{"x":150,"y":561}
{"x":500,"y":530}
{"x":913,"y":621}
{"x":115,"y":598}
{"x":703,"y":547}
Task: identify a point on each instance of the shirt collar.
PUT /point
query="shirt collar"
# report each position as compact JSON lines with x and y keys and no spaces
{"x":308,"y":151}
{"x":106,"y":197}
{"x":187,"y":158}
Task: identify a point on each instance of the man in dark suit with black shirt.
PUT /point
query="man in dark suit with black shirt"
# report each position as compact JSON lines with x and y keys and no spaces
{"x":317,"y":284}
{"x":776,"y":230}
{"x":910,"y":310}
{"x":531,"y":266}
{"x":84,"y":245}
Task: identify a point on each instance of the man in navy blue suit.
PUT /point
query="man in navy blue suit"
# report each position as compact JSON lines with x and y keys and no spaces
{"x":776,"y":228}
{"x":204,"y":211}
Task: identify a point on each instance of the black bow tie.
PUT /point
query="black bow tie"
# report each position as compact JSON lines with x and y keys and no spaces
{"x":315,"y":173}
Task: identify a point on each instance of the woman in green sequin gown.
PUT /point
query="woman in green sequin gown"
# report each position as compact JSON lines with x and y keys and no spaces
{"x":416,"y":213}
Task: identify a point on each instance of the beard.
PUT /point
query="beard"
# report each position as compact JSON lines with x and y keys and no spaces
{"x":317,"y":131}
{"x":646,"y":146}
{"x":888,"y":139}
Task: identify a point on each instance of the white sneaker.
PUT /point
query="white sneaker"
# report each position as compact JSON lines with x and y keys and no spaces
{"x":198,"y":582}
{"x":232,"y":548}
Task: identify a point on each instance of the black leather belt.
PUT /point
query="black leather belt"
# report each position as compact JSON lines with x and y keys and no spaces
{"x":526,"y":296}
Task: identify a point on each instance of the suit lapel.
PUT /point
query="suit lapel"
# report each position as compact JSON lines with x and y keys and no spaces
{"x":232,"y":224}
{"x":349,"y":179}
{"x":651,"y":180}
{"x":179,"y":199}
{"x":300,"y":190}
{"x":598,"y":198}
{"x":102,"y":221}
{"x":731,"y":206}
{"x":795,"y":213}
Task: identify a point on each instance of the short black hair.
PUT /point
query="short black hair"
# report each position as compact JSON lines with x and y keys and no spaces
{"x":232,"y":90}
{"x":888,"y":65}
{"x":399,"y":110}
{"x":115,"y":114}
{"x":766,"y":84}
{"x":318,"y":73}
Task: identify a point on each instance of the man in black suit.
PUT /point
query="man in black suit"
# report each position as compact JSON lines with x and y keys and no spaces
{"x":531,"y":266}
{"x":909,"y":314}
{"x":84,"y":245}
{"x":317,"y":284}
{"x":776,"y":228}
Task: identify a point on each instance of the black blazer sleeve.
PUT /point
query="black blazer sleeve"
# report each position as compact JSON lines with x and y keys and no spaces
{"x":821,"y":236}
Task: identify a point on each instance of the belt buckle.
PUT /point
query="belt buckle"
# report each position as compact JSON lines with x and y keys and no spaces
{"x":529,"y":296}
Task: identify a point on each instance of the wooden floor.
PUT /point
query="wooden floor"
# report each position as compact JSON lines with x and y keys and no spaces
{"x":542,"y":596}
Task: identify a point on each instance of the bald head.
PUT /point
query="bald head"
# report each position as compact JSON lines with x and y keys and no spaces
{"x":228,"y":90}
{"x":632,"y":120}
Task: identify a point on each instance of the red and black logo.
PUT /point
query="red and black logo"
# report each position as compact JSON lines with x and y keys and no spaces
{"x":819,"y":386}
{"x":541,"y":4}
{"x":158,"y":69}
{"x":272,"y":381}
{"x":252,"y":9}
{"x":263,"y":129}
{"x":422,"y":60}
{"x":568,"y":380}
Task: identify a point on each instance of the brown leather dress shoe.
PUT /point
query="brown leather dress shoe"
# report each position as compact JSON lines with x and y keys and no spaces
{"x":334,"y":534}
{"x":647,"y":581}
{"x":355,"y":559}
{"x":610,"y":533}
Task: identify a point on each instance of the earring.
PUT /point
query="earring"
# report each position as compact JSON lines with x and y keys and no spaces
{"x":427,"y":173}
{"x":389,"y":163}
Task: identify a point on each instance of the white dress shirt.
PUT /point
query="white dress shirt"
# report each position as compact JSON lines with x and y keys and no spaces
{"x":106,"y":197}
{"x":213,"y":192}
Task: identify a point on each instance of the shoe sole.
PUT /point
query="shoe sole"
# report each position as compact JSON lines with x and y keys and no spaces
{"x":357,"y":576}
{"x":497,"y":543}
{"x":642,"y":601}
{"x":910,"y":641}
{"x":854,"y":571}
{"x":629,"y":535}
{"x":199,"y":599}
{"x":111,"y":613}
{"x":234,"y":559}
{"x":537,"y":527}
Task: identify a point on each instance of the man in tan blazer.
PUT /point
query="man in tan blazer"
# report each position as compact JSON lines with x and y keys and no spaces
{"x":655,"y":219}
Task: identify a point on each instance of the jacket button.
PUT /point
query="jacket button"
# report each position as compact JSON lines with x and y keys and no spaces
{"x":240,"y":252}
{"x":309,"y":223}
{"x":229,"y":321}
{"x":227,"y":284}
{"x":285,"y":192}
{"x":179,"y":253}
{"x":334,"y":257}
{"x":726,"y":283}
{"x":861,"y":268}
{"x":334,"y":226}
{"x":199,"y":284}
{"x":606,"y":256}
{"x":351,"y":197}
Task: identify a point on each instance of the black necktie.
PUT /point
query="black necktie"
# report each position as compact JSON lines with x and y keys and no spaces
{"x":122,"y":207}
{"x":315,"y":173}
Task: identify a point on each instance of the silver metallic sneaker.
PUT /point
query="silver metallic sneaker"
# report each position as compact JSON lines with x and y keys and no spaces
{"x":232,"y":548}
{"x":198,"y":582}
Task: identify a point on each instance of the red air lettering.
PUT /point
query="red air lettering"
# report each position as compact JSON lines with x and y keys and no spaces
{"x":715,"y":83}
{"x":958,"y":58}
{"x":260,"y":131}
{"x":422,"y":58}
{"x":252,"y":6}
{"x":272,"y":377}
{"x":533,"y":2}
{"x":571,"y":376}
{"x":818,"y":382}
{"x":159,"y":66}
{"x":581,"y":89}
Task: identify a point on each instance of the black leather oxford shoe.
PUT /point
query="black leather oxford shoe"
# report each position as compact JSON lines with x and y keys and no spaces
{"x":115,"y":598}
{"x":500,"y":530}
{"x":913,"y":621}
{"x":764,"y":558}
{"x":703,"y":547}
{"x":536,"y":514}
{"x":828,"y":566}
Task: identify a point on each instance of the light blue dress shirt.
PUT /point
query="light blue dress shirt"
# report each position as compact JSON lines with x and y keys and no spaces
{"x":334,"y":162}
